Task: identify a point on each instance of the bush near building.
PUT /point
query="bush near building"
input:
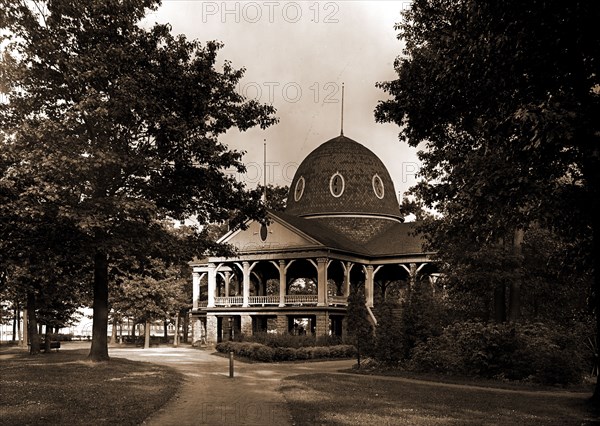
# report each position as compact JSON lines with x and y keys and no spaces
{"x":264,"y":353}
{"x":533,"y":352}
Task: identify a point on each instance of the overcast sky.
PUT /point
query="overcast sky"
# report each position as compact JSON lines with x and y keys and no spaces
{"x":296,"y":55}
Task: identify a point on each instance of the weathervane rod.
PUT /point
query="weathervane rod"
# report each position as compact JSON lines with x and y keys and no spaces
{"x":342,"y":121}
{"x":265,"y":170}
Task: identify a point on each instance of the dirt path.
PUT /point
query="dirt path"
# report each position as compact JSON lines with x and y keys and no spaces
{"x":210,"y":397}
{"x":252,"y":397}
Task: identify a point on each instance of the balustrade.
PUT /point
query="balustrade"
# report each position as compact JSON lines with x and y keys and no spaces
{"x":290,"y":299}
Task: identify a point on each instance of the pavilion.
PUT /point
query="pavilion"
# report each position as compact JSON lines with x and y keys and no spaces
{"x":341,"y":227}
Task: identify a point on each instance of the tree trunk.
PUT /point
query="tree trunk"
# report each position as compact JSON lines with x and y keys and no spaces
{"x":500,"y":303}
{"x":99,"y":349}
{"x":147,"y":335}
{"x":596,"y":295}
{"x":113,"y":334}
{"x":14,"y":324}
{"x":166,"y":331}
{"x":34,"y":337}
{"x":186,"y":326}
{"x":19,"y":336}
{"x":47,"y":339}
{"x":176,"y":336}
{"x":514,"y":309}
{"x":121,"y":331}
{"x":25,"y":328}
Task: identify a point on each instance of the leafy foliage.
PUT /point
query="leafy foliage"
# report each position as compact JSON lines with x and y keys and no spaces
{"x":389,"y":348}
{"x":264,"y":353}
{"x":503,"y":98}
{"x":531,"y":352}
{"x":421,"y":318}
{"x":360,"y":329}
{"x":290,"y":341}
{"x":111,"y":128}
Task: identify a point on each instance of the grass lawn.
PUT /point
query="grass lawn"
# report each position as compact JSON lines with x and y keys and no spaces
{"x":333,"y":399}
{"x":64,"y":388}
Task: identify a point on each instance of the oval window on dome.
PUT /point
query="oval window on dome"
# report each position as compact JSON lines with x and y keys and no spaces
{"x":336,"y":184}
{"x":299,"y":189}
{"x":378,"y":186}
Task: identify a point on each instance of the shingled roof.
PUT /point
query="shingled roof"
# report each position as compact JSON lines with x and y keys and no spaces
{"x":398,"y":240}
{"x":365,"y":186}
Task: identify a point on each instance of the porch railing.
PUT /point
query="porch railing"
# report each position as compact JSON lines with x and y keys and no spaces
{"x":301,"y":299}
{"x":290,"y":299}
{"x":229,"y":300}
{"x":338,"y":300}
{"x":263,"y":300}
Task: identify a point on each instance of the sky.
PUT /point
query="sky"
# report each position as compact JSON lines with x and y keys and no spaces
{"x":296,"y":56}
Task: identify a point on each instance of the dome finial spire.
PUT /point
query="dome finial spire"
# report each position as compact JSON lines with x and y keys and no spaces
{"x":342,"y":121}
{"x":264,"y":195}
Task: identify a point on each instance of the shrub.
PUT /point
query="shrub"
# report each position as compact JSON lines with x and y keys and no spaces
{"x":290,"y":341}
{"x":532,"y":352}
{"x":389,"y":349}
{"x":260,"y":352}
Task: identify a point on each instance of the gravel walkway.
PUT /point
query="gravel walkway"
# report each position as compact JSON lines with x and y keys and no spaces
{"x":210,"y":397}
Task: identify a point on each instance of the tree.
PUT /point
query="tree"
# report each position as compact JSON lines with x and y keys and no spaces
{"x":156,"y":293}
{"x":151,"y":292}
{"x":421,"y":317}
{"x":114,"y":127}
{"x":389,"y":348}
{"x":276,"y":196}
{"x":504,"y":98}
{"x":360,"y":329}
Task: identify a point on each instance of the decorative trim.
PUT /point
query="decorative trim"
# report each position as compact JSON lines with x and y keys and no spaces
{"x":299,"y":189}
{"x":378,"y":187}
{"x":356,"y":215}
{"x":337,"y":184}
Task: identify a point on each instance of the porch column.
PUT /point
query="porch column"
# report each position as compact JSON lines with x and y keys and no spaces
{"x":246,"y":324}
{"x":347,"y":268}
{"x":413,"y":275}
{"x":212,"y":284}
{"x":322,"y":325}
{"x":198,"y":331}
{"x":322,"y":281}
{"x":227,"y":278}
{"x":195,"y":290}
{"x":211,"y":330}
{"x":413,"y":271}
{"x":246,"y":284}
{"x":282,"y":283}
{"x":369,"y":285}
{"x":282,"y":324}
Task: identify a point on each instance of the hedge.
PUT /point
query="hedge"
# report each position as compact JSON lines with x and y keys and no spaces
{"x":264,"y":353}
{"x":525,"y":352}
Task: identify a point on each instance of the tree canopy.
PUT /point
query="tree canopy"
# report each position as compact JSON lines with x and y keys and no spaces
{"x":503,"y":99}
{"x":111,"y":128}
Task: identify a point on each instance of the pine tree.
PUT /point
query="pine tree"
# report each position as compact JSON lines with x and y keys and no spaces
{"x":360,"y":329}
{"x":388,"y":334}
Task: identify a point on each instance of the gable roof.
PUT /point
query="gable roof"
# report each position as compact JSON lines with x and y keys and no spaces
{"x":399,"y":239}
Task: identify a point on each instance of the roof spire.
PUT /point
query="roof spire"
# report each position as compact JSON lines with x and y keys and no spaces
{"x":342,"y":124}
{"x":264,"y":196}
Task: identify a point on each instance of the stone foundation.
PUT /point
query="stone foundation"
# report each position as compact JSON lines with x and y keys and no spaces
{"x":211,"y":330}
{"x":322,"y":325}
{"x":246,"y":325}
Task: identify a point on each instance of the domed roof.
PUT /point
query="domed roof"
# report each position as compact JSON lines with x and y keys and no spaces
{"x":342,"y":176}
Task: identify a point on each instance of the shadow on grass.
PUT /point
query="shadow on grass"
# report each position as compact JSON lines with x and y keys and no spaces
{"x":332,"y":399}
{"x":65,"y":388}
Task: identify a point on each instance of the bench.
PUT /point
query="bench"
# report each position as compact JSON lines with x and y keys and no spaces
{"x":54,"y":344}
